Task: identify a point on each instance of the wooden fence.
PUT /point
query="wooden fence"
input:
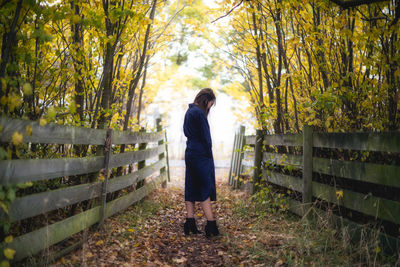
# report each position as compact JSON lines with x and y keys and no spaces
{"x":312,"y":166}
{"x":32,"y":170}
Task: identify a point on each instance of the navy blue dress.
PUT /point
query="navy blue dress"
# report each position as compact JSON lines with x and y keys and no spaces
{"x":199,"y":161}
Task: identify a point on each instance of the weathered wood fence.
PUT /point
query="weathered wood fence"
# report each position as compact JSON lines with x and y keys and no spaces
{"x":311,"y":165}
{"x":33,"y":170}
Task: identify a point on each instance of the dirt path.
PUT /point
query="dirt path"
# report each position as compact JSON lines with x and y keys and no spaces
{"x":151,"y":234}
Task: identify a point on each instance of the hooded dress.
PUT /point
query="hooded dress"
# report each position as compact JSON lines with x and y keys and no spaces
{"x":199,"y":161}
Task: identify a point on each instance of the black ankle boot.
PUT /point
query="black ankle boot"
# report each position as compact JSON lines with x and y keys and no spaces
{"x":190,"y":226}
{"x":211,"y":228}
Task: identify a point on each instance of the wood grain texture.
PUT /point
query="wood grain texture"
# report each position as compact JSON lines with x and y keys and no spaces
{"x":283,"y":159}
{"x":250,"y":140}
{"x":24,"y":170}
{"x":367,"y":172}
{"x":381,"y":208}
{"x":35,"y":204}
{"x":387,"y":142}
{"x":284,"y":139}
{"x":125,"y":201}
{"x":284,"y":180}
{"x":307,"y":163}
{"x":128,"y":137}
{"x":121,"y":182}
{"x":34,"y":242}
{"x":135,"y":156}
{"x":51,"y":133}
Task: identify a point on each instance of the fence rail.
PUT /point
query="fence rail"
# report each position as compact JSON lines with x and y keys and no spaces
{"x":354,"y":181}
{"x":32,"y":170}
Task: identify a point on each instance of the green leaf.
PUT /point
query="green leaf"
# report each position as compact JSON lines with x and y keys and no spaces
{"x":11,"y":194}
{"x":3,"y":153}
{"x":24,"y":185}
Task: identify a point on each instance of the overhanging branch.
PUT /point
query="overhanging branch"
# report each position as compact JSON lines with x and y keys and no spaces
{"x":353,"y":3}
{"x":230,"y":11}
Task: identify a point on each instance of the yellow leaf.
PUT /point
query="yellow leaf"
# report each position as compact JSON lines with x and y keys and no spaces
{"x":3,"y":100}
{"x":339,"y":194}
{"x":131,"y":230}
{"x":76,"y":19}
{"x":101,"y":177}
{"x":16,"y":138}
{"x":27,"y":88}
{"x":72,"y":107}
{"x":99,"y":243}
{"x":42,"y":122}
{"x":4,"y":207}
{"x":9,"y":253}
{"x":198,"y":214}
{"x":51,"y":113}
{"x":28,"y":130}
{"x":8,"y":239}
{"x":14,"y":101}
{"x":4,"y":264}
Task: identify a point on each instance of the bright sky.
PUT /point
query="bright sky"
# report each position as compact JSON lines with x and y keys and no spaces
{"x":173,"y":104}
{"x":221,"y":120}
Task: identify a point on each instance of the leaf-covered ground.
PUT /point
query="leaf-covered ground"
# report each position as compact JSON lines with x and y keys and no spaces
{"x":151,"y":234}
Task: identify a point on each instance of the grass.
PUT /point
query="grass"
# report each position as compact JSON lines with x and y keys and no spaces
{"x":285,"y":239}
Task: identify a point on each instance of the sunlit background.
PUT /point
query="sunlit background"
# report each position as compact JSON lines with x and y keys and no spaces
{"x":201,"y":60}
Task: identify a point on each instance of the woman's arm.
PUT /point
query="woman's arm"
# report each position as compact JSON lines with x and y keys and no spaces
{"x":205,"y":134}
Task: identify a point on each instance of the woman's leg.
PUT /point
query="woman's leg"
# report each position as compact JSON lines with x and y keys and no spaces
{"x":206,"y":206}
{"x":211,"y":226}
{"x":190,"y":224}
{"x":190,"y":209}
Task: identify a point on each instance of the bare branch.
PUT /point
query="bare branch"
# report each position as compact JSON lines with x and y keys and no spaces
{"x":230,"y":11}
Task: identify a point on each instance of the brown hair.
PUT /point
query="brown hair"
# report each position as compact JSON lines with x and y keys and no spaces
{"x":203,"y":98}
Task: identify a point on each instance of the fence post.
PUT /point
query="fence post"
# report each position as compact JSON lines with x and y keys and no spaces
{"x":239,"y":156}
{"x":166,"y":150}
{"x":307,"y":166}
{"x":107,"y":156}
{"x":142,"y":163}
{"x":257,"y":160}
{"x":162,"y":155}
{"x":235,"y":158}
{"x":232,"y":160}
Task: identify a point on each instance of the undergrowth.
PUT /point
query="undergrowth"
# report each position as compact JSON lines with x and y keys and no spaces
{"x":282,"y":238}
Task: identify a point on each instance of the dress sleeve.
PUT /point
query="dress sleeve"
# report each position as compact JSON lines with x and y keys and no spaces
{"x":205,"y":134}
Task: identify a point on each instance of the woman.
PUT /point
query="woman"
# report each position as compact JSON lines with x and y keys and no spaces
{"x":200,"y":172}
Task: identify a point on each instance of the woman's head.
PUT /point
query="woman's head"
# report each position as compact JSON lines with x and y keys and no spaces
{"x":205,"y":99}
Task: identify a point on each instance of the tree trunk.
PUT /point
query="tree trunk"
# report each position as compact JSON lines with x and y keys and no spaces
{"x":8,"y":43}
{"x":133,"y":84}
{"x":141,"y":90}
